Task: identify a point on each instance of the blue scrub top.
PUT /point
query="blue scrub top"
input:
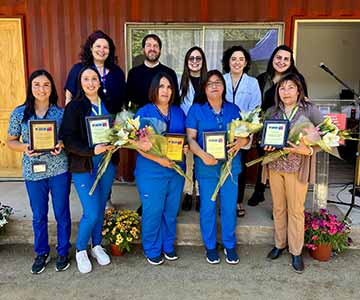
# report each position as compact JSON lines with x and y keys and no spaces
{"x":176,"y":124}
{"x":202,"y":118}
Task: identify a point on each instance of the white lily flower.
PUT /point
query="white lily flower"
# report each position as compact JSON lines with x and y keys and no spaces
{"x":123,"y":116}
{"x":244,"y":115}
{"x":123,"y":134}
{"x":256,"y":119}
{"x":332,"y":140}
{"x":241,"y":131}
{"x":133,"y":123}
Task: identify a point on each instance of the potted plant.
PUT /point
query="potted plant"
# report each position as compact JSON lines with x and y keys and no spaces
{"x":324,"y":233}
{"x":120,"y":229}
{"x":5,"y":212}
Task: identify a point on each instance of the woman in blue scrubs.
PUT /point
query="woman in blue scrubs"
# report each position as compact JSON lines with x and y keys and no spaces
{"x":45,"y":172}
{"x":159,"y":186}
{"x":83,"y":164}
{"x":214,"y":113}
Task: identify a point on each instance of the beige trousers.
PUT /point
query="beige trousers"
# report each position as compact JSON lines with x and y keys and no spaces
{"x":288,"y":196}
{"x":188,"y":187}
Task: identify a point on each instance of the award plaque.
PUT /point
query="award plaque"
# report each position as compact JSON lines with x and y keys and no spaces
{"x":275,"y":133}
{"x":215,"y":144}
{"x":43,"y":135}
{"x":97,"y":129}
{"x":175,"y":145}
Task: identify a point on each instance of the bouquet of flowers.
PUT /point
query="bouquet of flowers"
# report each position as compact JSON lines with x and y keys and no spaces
{"x":321,"y":227}
{"x":121,"y":228}
{"x":126,"y":133}
{"x":5,"y":212}
{"x":326,"y":136}
{"x":250,"y":123}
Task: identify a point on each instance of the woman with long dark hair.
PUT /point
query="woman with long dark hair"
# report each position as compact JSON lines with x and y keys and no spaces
{"x":242,"y":90}
{"x":280,"y":63}
{"x":83,"y":164}
{"x":45,"y":172}
{"x":213,"y":113}
{"x":158,"y":184}
{"x":289,"y":177}
{"x":195,"y":70}
{"x":98,"y":51}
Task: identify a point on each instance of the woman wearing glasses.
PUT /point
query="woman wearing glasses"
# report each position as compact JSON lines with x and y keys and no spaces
{"x":194,"y":73}
{"x":212,"y":112}
{"x":242,"y":90}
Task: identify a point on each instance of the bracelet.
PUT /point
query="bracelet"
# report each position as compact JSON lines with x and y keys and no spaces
{"x":311,"y":151}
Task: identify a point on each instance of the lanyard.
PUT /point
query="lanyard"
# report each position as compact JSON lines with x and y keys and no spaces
{"x":292,"y":114}
{"x":236,"y":88}
{"x":102,"y":78}
{"x":97,"y":113}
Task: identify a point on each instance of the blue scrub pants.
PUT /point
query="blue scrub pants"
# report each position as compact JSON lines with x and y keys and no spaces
{"x":160,"y":198}
{"x":38,"y":193}
{"x":228,"y":201}
{"x":93,"y":206}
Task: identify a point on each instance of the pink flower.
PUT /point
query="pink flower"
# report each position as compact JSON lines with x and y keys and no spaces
{"x":332,"y":231}
{"x":314,"y":225}
{"x":315,"y":238}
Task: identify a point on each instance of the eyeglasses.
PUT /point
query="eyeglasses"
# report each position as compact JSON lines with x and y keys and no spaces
{"x":214,"y":84}
{"x":195,"y":58}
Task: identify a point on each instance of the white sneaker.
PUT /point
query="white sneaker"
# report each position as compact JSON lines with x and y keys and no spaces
{"x":102,"y":258}
{"x":83,"y":262}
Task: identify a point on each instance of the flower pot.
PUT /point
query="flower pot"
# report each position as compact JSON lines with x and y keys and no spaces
{"x":322,"y":252}
{"x":115,"y":251}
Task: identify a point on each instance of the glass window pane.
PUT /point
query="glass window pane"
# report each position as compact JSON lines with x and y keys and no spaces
{"x":175,"y":43}
{"x":259,"y":42}
{"x":259,"y":39}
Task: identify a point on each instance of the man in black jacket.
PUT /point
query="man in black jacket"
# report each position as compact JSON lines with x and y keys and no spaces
{"x":140,"y":77}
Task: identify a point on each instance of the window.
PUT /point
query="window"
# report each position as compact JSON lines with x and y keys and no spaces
{"x":259,"y":39}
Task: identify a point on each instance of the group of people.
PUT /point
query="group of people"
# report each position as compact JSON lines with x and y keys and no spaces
{"x":199,"y":101}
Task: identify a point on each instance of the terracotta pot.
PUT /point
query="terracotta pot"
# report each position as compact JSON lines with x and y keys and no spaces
{"x":115,"y":251}
{"x":322,"y":252}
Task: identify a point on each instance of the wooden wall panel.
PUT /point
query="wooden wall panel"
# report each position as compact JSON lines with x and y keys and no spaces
{"x":55,"y":29}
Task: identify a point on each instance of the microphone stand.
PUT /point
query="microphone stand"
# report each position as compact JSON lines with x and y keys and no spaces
{"x":357,"y":168}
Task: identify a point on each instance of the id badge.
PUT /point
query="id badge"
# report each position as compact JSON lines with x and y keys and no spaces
{"x":39,"y":167}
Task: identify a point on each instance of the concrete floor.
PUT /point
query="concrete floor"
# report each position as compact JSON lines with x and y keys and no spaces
{"x":191,"y":277}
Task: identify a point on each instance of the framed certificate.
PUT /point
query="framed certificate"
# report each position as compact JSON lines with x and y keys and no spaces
{"x":97,"y":129}
{"x":43,"y":135}
{"x":215,"y":144}
{"x":175,"y":145}
{"x":275,"y":133}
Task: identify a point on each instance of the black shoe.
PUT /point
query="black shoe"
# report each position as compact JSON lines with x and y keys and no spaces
{"x":139,"y":210}
{"x":297,"y":263}
{"x":256,"y":198}
{"x":197,"y":203}
{"x":40,"y":263}
{"x":275,"y":253}
{"x":240,"y":211}
{"x":187,"y":202}
{"x":62,"y":263}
